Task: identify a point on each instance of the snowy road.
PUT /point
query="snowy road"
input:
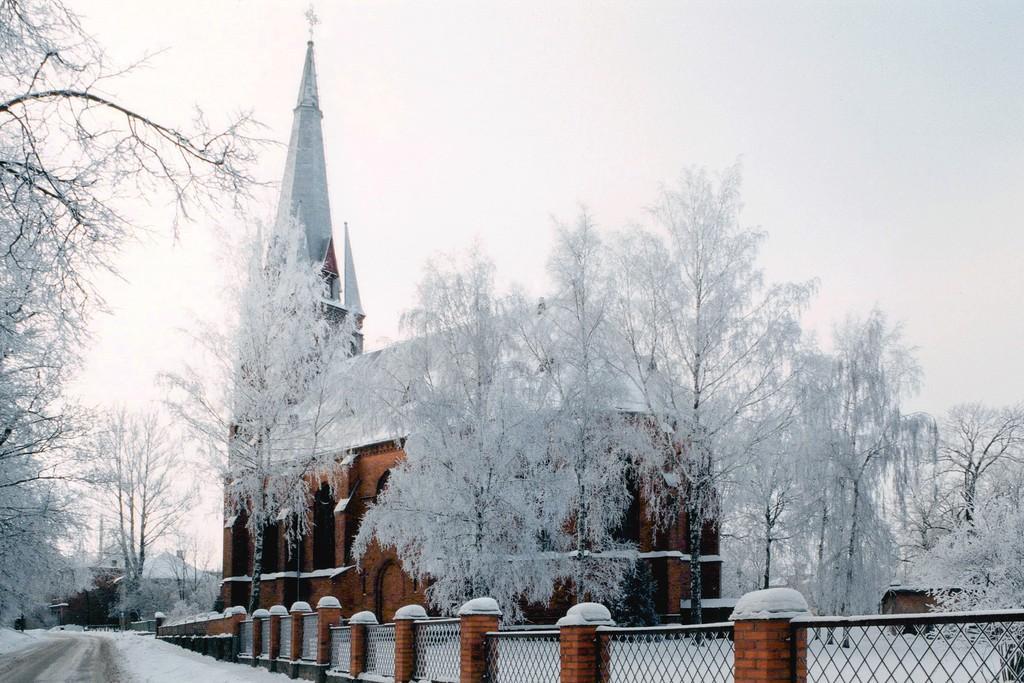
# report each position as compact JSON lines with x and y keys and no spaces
{"x":78,"y":658}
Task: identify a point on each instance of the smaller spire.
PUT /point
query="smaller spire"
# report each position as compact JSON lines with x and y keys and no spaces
{"x":351,"y":292}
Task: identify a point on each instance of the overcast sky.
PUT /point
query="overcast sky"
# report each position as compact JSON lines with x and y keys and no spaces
{"x":882,"y":146}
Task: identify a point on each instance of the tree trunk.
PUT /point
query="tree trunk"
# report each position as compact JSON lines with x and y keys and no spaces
{"x":257,"y":569}
{"x":695,"y":518}
{"x":767,"y":562}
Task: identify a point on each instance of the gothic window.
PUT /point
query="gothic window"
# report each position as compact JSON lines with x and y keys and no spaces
{"x":629,"y":527}
{"x":271,"y":552}
{"x":239,"y":546}
{"x":323,"y":528}
{"x":382,"y":484}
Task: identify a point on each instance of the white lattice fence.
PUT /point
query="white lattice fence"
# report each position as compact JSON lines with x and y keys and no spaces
{"x":341,"y":647}
{"x":310,"y":623}
{"x":285,"y":651}
{"x":380,"y":649}
{"x":265,"y":636}
{"x":437,"y":650}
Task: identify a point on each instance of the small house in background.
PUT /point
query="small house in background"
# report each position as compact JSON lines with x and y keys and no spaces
{"x":905,"y":599}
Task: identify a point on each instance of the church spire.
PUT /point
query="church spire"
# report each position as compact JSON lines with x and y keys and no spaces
{"x":304,"y":196}
{"x":304,"y":186}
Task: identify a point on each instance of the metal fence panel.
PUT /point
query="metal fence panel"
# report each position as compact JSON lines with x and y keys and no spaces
{"x":245,"y":647}
{"x":523,"y":657}
{"x":962,"y":648}
{"x":310,"y":622}
{"x":341,"y":648}
{"x":264,"y":636}
{"x":380,"y":649}
{"x":667,"y":654}
{"x":437,"y":650}
{"x":285,"y":651}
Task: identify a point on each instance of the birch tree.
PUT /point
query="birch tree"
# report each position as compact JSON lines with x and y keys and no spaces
{"x":268,"y":410}
{"x":867,"y":450}
{"x":463,"y":389}
{"x":139,"y":480}
{"x":710,"y":344}
{"x":71,"y":155}
{"x":592,"y":429}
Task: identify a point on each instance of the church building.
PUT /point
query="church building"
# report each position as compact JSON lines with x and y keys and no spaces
{"x":323,"y":563}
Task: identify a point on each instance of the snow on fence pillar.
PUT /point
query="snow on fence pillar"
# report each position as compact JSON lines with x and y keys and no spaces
{"x":329,"y":610}
{"x":298,"y":610}
{"x":476,"y":618}
{"x":764,"y":653}
{"x":405,"y":641}
{"x":257,"y":633}
{"x":276,"y":612}
{"x":158,"y":620}
{"x":357,"y":651}
{"x":577,"y":641}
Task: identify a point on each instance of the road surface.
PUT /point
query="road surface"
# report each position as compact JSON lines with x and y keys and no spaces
{"x":63,"y":658}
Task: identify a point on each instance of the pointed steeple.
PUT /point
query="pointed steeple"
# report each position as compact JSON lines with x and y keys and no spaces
{"x":304,"y":186}
{"x":351,"y":300}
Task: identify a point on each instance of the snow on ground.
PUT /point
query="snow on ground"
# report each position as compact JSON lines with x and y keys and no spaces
{"x":148,"y":660}
{"x":11,"y":640}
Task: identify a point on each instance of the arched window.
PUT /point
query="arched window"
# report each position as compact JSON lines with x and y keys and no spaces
{"x":630,"y":526}
{"x":271,"y":551}
{"x":382,"y":484}
{"x":323,"y":528}
{"x":240,"y":546}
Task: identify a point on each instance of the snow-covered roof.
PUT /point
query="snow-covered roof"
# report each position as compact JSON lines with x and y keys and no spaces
{"x":168,"y":566}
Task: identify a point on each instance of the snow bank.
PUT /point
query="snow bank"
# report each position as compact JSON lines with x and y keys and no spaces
{"x":771,"y":603}
{"x":11,"y":640}
{"x":481,"y":606}
{"x":154,"y":661}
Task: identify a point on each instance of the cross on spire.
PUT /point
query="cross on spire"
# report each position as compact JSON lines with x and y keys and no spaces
{"x":312,"y":19}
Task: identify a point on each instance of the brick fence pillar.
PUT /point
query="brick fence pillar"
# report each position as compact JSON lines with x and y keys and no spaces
{"x":235,"y":616}
{"x":158,"y":621}
{"x":257,"y":633}
{"x":405,"y":641}
{"x":764,"y":653}
{"x":329,"y":610}
{"x":357,"y":661}
{"x":298,"y":610}
{"x":477,"y":617}
{"x":577,"y":640}
{"x":276,"y":612}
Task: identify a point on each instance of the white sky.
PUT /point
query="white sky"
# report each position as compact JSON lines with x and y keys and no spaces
{"x":883,"y":148}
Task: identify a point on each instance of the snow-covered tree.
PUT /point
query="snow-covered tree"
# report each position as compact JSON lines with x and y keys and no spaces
{"x":465,"y":391}
{"x":767,"y":506}
{"x":976,"y":440}
{"x":138,"y":479}
{"x":867,"y":452}
{"x":710,"y":344}
{"x":593,"y":433}
{"x":267,"y":413}
{"x":69,"y":155}
{"x":978,"y":566}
